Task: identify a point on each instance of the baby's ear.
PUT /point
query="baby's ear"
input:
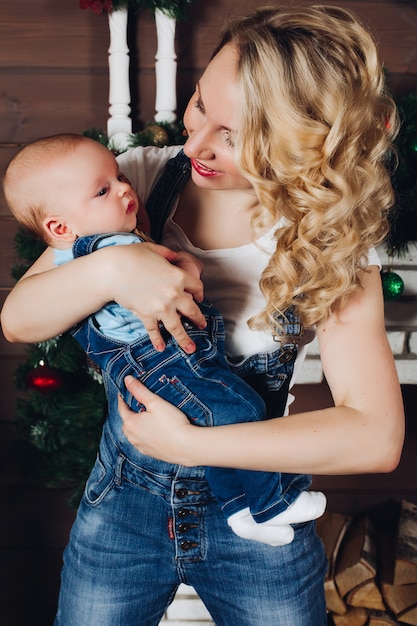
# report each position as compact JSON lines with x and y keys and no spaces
{"x":57,"y":230}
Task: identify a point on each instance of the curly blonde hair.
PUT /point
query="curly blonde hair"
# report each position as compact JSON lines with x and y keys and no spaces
{"x":315,"y":135}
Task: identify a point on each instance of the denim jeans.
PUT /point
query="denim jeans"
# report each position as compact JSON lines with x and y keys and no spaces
{"x":145,"y":526}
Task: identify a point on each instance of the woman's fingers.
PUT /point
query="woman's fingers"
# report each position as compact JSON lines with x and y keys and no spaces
{"x":157,"y":431}
{"x":145,"y":281}
{"x":139,"y":391}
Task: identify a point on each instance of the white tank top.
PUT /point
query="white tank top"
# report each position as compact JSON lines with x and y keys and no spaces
{"x":231,"y":282}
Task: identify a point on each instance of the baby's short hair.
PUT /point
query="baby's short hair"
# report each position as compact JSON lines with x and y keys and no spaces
{"x":28,"y":209}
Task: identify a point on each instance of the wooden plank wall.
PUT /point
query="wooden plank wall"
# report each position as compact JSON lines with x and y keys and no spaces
{"x":53,"y":78}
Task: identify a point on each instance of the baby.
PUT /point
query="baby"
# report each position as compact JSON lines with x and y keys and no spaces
{"x":68,"y":190}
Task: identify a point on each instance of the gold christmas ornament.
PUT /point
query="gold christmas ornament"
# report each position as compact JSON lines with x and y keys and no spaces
{"x":158,"y":134}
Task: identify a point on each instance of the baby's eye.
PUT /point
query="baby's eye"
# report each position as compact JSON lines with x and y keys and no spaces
{"x":103,"y":191}
{"x":124,"y":179}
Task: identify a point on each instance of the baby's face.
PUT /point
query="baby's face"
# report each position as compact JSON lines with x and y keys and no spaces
{"x":91,"y":194}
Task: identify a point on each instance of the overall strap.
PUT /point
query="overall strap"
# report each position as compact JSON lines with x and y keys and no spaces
{"x":176,"y":173}
{"x":288,"y":326}
{"x":90,"y":243}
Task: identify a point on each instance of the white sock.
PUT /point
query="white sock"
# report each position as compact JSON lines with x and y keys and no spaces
{"x":277,"y":531}
{"x":308,"y":506}
{"x":243,"y":525}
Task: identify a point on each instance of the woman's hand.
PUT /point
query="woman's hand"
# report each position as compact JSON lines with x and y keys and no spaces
{"x":141,"y":277}
{"x":157,"y":291}
{"x":162,"y":431}
{"x":188,"y":263}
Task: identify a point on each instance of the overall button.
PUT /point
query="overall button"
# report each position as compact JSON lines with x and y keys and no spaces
{"x":183,"y":528}
{"x":287,"y":356}
{"x":187,"y":545}
{"x":183,"y":512}
{"x":181,"y":493}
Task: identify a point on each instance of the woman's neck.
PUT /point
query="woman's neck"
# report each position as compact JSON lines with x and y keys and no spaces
{"x":214,"y":219}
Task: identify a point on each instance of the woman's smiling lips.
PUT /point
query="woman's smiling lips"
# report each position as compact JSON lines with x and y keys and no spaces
{"x":202,"y":170}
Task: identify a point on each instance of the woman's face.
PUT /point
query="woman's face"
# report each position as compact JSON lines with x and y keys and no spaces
{"x":210,"y":120}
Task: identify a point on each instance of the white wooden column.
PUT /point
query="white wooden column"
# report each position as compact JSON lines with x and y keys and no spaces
{"x":165,"y":68}
{"x":119,"y":124}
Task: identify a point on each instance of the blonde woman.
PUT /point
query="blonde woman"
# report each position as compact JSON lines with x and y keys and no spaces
{"x":290,"y":131}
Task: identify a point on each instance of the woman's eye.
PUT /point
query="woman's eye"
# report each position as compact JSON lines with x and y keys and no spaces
{"x":124,"y":179}
{"x":228,"y":139}
{"x":199,"y":106}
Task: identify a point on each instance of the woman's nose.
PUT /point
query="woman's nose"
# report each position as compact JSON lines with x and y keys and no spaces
{"x":199,"y":144}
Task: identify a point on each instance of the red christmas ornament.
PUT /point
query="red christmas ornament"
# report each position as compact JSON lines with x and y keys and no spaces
{"x":98,"y":6}
{"x":44,"y":379}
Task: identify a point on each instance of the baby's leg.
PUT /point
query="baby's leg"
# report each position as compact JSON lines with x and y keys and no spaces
{"x":277,"y":531}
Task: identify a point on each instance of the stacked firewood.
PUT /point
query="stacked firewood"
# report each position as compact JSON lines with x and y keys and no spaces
{"x":372,"y":576}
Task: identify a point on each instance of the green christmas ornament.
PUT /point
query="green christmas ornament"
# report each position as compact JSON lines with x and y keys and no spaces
{"x":392,"y":285}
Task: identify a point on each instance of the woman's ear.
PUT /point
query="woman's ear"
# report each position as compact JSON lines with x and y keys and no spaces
{"x":57,"y":230}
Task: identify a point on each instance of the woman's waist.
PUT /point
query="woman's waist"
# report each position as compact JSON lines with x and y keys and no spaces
{"x":118,"y":450}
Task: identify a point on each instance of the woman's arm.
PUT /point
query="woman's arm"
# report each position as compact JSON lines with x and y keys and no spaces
{"x":48,"y":300}
{"x":363,"y":432}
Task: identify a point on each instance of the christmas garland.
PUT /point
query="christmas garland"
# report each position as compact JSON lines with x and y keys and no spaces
{"x":60,"y":417}
{"x":173,"y":8}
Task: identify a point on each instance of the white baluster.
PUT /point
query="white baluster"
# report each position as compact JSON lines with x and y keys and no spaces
{"x":119,"y":124}
{"x":165,"y":68}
